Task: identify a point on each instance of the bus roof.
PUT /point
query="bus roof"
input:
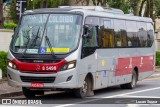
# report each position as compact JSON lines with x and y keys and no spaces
{"x":92,"y":11}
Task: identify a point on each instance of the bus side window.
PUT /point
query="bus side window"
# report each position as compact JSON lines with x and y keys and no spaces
{"x":150,"y":34}
{"x":120,"y":33}
{"x":132,"y":39}
{"x":107,"y":34}
{"x":142,"y":33}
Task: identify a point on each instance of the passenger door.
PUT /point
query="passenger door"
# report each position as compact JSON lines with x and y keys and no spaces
{"x":106,"y":55}
{"x":88,"y":61}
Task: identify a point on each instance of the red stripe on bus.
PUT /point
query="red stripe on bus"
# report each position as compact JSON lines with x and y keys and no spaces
{"x":39,"y":67}
{"x":126,"y":65}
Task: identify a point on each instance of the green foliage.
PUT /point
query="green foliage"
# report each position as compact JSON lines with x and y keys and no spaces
{"x":3,"y":66}
{"x":9,"y":25}
{"x":12,"y":13}
{"x":157,"y":7}
{"x":35,"y":4}
{"x":157,"y":58}
{"x":120,"y":4}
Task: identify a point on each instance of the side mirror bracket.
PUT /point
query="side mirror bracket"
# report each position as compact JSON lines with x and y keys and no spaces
{"x":87,"y":31}
{"x":14,"y":29}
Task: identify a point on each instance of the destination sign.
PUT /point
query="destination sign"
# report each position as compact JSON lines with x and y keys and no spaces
{"x":53,"y":18}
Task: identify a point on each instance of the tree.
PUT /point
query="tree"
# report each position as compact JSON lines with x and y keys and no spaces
{"x":157,"y":8}
{"x":141,"y":7}
{"x":12,"y":13}
{"x":120,"y":4}
{"x":1,"y":14}
{"x":135,"y":6}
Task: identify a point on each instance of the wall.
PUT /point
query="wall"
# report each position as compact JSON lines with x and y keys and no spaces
{"x":158,"y":40}
{"x":5,"y":38}
{"x":157,"y":30}
{"x":157,"y":24}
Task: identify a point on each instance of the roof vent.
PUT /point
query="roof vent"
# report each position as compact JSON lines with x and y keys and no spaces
{"x":84,"y":7}
{"x":96,"y":8}
{"x":28,"y":11}
{"x":113,"y":10}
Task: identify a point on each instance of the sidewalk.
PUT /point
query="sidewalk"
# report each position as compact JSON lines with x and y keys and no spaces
{"x":157,"y":69}
{"x":156,"y":73}
{"x":8,"y":91}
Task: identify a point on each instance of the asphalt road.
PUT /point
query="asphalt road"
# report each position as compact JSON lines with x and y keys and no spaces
{"x":146,"y":94}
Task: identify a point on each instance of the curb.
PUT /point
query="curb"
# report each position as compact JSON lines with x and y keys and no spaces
{"x":156,"y":75}
{"x":6,"y":30}
{"x":11,"y":94}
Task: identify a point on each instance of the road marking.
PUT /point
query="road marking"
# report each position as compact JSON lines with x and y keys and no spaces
{"x":132,"y":96}
{"x":132,"y":92}
{"x":139,"y":105}
{"x":132,"y":105}
{"x":65,"y":105}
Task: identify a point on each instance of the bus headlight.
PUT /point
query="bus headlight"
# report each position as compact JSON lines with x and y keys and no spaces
{"x":69,"y":65}
{"x":11,"y":64}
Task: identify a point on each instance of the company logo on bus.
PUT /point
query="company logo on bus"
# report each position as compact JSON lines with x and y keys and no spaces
{"x":38,"y":61}
{"x":38,"y":68}
{"x":46,"y":68}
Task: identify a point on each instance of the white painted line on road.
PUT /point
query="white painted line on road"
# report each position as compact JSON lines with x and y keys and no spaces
{"x":132,"y":105}
{"x":132,"y":92}
{"x":65,"y":105}
{"x":139,"y":105}
{"x":131,"y":96}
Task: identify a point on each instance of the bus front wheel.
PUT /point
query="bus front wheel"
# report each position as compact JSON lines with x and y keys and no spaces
{"x":85,"y":90}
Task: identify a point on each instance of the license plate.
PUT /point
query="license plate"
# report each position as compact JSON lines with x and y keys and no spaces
{"x":37,"y":85}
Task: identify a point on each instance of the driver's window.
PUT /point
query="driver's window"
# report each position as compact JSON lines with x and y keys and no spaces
{"x":92,"y":41}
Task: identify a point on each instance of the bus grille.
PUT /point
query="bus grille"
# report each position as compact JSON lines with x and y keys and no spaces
{"x":37,"y":79}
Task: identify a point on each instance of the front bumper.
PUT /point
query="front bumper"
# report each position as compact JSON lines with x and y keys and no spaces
{"x":59,"y":82}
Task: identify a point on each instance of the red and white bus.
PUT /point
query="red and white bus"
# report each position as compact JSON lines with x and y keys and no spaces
{"x":81,"y":49}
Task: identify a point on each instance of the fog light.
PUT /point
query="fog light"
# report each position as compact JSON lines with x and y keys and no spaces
{"x":69,"y":78}
{"x":9,"y":76}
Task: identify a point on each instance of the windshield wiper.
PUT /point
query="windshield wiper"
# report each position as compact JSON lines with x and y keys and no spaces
{"x":50,"y":46}
{"x":46,"y":37}
{"x":30,"y":43}
{"x":35,"y":38}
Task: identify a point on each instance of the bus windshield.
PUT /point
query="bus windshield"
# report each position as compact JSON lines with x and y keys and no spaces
{"x":44,"y":33}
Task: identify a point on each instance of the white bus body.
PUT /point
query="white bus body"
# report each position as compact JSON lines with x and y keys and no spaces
{"x":112,"y":49}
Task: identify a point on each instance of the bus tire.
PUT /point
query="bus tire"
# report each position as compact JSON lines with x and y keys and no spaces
{"x":85,"y":90}
{"x":132,"y":84}
{"x":28,"y":93}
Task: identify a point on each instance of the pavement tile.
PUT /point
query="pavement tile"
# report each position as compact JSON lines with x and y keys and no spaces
{"x":6,"y":89}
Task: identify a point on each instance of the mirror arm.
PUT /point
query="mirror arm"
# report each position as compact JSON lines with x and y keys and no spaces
{"x":14,"y":29}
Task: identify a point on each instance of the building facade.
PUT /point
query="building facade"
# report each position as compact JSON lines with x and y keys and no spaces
{"x":157,"y":34}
